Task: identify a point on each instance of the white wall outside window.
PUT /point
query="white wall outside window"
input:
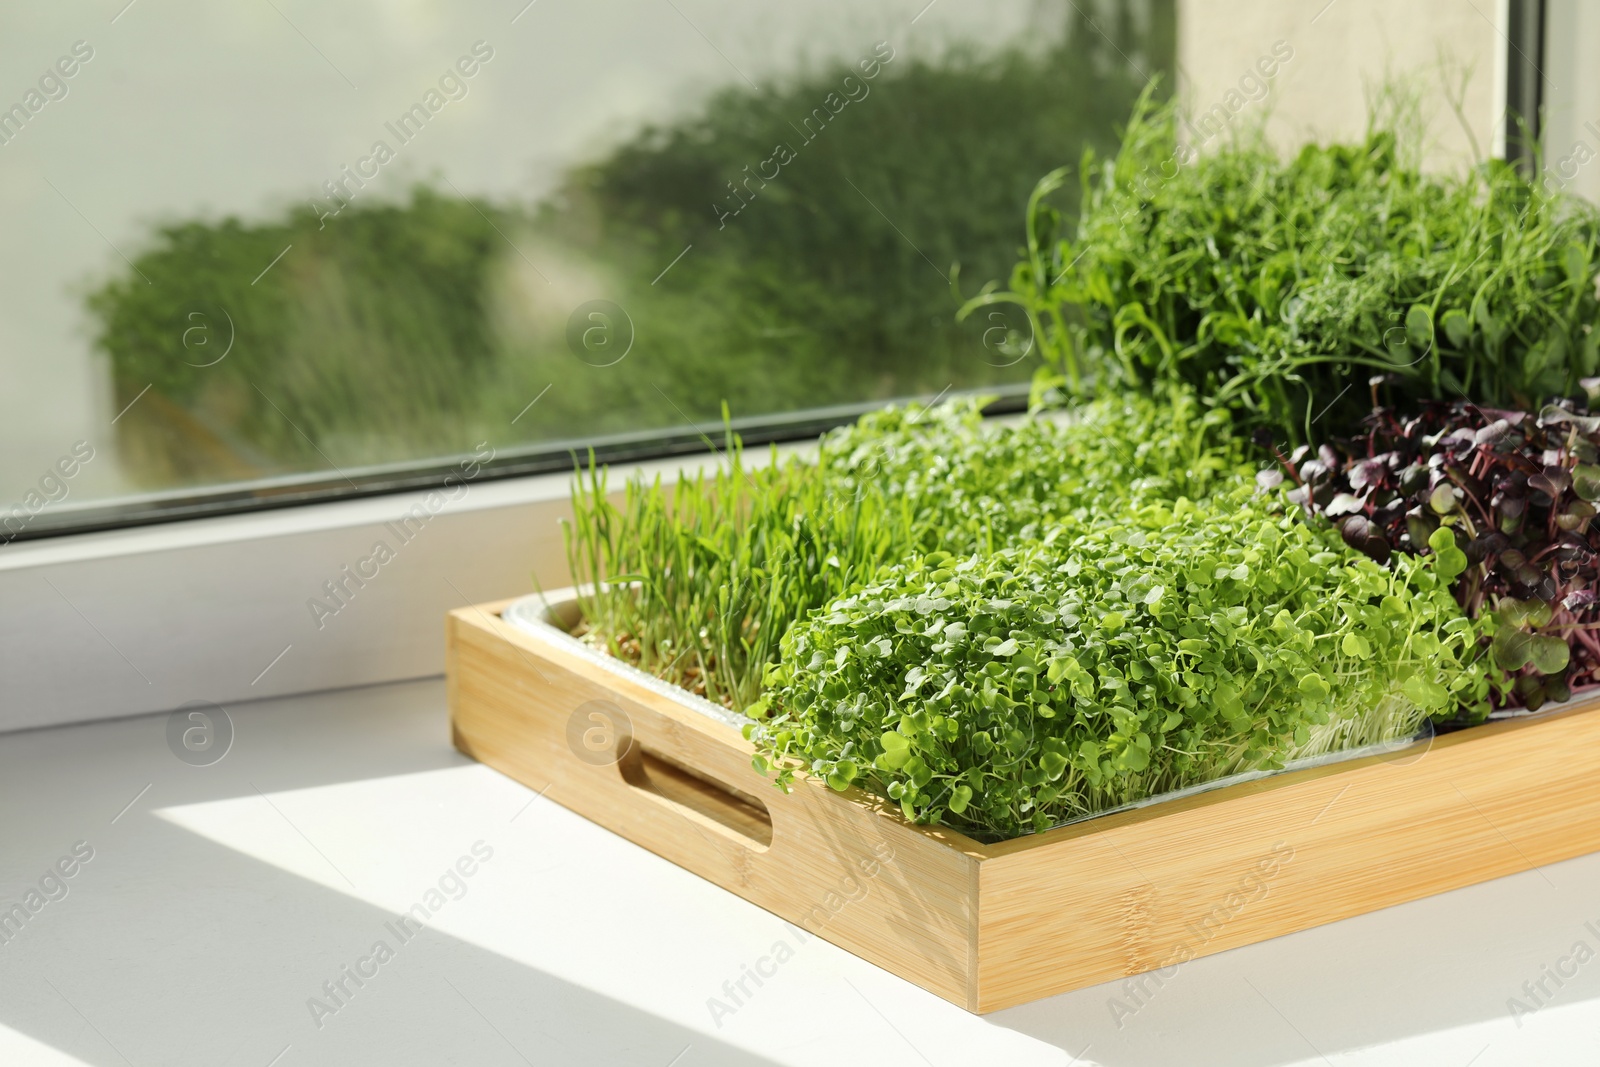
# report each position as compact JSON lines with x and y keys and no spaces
{"x":1572,"y":97}
{"x":1341,"y":51}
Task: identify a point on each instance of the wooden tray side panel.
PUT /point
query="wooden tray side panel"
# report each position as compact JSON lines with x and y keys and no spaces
{"x":854,"y":875}
{"x":1147,"y":890}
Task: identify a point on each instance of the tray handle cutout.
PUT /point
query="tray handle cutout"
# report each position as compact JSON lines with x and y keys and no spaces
{"x":744,"y":816}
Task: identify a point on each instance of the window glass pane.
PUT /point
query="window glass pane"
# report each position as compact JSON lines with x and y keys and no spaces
{"x":247,"y":244}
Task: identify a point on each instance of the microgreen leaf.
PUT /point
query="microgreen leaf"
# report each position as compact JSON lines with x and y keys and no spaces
{"x":1548,"y":654}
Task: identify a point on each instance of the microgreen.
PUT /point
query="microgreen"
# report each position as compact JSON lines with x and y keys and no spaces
{"x":1003,"y":625}
{"x":975,"y":485}
{"x":697,"y":581}
{"x":1504,"y":501}
{"x":1002,"y":693}
{"x":1272,"y":286}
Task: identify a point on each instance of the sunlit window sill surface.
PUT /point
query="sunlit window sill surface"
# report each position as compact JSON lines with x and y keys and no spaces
{"x":252,"y":912}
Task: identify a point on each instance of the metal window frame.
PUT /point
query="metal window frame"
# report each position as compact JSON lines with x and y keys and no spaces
{"x":398,"y":479}
{"x":1524,"y":80}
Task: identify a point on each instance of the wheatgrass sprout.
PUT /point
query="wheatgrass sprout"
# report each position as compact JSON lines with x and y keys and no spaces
{"x":697,"y":581}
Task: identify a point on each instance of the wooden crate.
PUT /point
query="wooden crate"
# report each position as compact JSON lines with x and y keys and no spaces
{"x":991,"y":926}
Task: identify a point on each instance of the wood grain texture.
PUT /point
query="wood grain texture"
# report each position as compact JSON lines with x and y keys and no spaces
{"x":991,"y":926}
{"x":850,"y":871}
{"x":1145,"y":890}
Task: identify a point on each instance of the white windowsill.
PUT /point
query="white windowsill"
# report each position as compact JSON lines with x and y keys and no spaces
{"x":220,"y":899}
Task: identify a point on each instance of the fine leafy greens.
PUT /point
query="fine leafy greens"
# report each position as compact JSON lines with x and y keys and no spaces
{"x":1278,"y":287}
{"x":974,"y":486}
{"x":1003,"y":693}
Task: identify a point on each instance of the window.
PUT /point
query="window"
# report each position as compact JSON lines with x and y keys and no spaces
{"x":166,"y":171}
{"x":277,"y":252}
